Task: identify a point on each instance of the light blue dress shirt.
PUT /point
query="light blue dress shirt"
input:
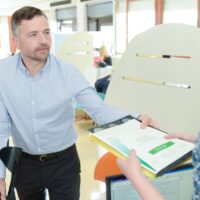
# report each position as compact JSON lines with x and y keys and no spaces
{"x":39,"y":111}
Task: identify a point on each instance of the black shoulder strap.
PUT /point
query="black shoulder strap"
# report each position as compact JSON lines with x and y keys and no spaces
{"x":10,"y":157}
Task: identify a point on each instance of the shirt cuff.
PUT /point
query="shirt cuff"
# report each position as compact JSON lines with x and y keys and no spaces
{"x":135,"y":115}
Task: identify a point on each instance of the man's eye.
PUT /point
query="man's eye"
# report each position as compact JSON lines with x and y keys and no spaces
{"x":33,"y":35}
{"x":47,"y":32}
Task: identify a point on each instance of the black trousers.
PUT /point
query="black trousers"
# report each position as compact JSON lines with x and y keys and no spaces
{"x":60,"y":175}
{"x":101,"y":84}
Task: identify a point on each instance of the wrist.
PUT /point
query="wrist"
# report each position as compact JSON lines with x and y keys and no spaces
{"x":138,"y":178}
{"x":194,"y":139}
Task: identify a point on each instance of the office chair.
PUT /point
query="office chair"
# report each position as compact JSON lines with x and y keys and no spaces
{"x":106,"y":166}
{"x":10,"y":157}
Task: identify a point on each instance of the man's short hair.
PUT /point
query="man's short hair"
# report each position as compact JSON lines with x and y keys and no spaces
{"x":24,"y":13}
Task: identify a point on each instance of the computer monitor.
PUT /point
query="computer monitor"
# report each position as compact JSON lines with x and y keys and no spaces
{"x":175,"y":185}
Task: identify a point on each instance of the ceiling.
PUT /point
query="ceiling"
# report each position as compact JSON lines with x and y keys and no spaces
{"x":14,"y":3}
{"x":7,"y":7}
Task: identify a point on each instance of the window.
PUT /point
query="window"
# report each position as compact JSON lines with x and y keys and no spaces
{"x":141,"y":16}
{"x":66,"y":19}
{"x":131,"y":19}
{"x":184,"y":11}
{"x":100,"y":24}
{"x":99,"y":15}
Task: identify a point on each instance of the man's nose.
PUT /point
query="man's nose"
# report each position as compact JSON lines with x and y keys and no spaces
{"x":42,"y":37}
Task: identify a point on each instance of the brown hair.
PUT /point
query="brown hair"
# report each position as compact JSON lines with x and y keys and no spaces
{"x":24,"y":13}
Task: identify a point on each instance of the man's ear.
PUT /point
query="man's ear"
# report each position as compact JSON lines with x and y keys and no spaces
{"x":15,"y":41}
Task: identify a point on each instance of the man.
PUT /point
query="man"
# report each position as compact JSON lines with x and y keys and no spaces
{"x":37,"y":93}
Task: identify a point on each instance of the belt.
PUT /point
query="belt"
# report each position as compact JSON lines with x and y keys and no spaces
{"x":49,"y":156}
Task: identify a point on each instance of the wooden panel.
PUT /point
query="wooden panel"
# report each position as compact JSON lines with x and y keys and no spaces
{"x":175,"y":108}
{"x":78,"y":50}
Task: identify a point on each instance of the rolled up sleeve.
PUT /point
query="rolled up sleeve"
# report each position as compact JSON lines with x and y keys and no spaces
{"x":89,"y":101}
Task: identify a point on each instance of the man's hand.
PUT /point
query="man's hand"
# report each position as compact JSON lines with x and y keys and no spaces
{"x":147,"y":121}
{"x":3,"y":188}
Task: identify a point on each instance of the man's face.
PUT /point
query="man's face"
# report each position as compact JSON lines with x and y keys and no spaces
{"x":33,"y":38}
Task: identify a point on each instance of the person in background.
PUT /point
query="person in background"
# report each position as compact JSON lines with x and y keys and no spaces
{"x":37,"y":107}
{"x":132,"y":170}
{"x":106,"y":58}
{"x":101,"y":84}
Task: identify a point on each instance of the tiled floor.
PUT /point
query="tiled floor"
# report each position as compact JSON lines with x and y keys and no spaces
{"x":89,"y":154}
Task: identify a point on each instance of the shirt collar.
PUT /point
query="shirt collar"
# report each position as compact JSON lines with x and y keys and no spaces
{"x":24,"y":70}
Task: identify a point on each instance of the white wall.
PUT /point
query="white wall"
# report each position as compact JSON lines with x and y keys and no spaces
{"x":4,"y":37}
{"x":137,"y":8}
{"x":7,"y":10}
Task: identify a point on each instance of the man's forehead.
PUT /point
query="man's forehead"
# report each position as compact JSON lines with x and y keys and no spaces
{"x":34,"y":25}
{"x":35,"y":20}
